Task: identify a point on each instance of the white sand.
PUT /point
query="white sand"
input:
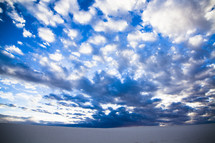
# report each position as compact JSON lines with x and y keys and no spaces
{"x":14,"y":133}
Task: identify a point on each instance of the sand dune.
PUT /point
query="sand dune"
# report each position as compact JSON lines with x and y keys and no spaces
{"x":16,"y":133}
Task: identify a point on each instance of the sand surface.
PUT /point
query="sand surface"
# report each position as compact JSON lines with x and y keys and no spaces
{"x":16,"y":133}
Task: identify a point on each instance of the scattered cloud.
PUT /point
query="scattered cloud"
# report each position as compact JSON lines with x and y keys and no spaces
{"x":18,"y":20}
{"x":137,"y":37}
{"x":71,"y":33}
{"x":84,"y":17}
{"x":14,"y":49}
{"x":46,"y":34}
{"x":27,"y":33}
{"x":97,"y":40}
{"x":196,"y":40}
{"x":85,"y":48}
{"x":43,"y":13}
{"x":111,"y":25}
{"x":112,"y":8}
{"x":57,"y":56}
{"x":107,"y":63}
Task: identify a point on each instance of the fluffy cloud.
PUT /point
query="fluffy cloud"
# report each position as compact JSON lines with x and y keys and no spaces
{"x":103,"y":73}
{"x":46,"y":34}
{"x":117,"y":7}
{"x":85,"y":48}
{"x":84,"y":17}
{"x":18,"y":20}
{"x":108,"y":49}
{"x":27,"y":33}
{"x":97,"y":40}
{"x":71,"y":33}
{"x":196,"y":40}
{"x":137,"y":37}
{"x":43,"y":13}
{"x":64,"y":7}
{"x":7,"y":95}
{"x":57,"y":56}
{"x":111,"y":25}
{"x":14,"y":49}
{"x":177,"y":20}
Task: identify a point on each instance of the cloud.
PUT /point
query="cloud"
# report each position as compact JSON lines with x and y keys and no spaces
{"x":14,"y":49}
{"x":19,"y":42}
{"x":44,"y":14}
{"x":18,"y":20}
{"x":57,"y":56}
{"x":46,"y":34}
{"x":107,"y":66}
{"x":64,"y":7}
{"x":7,"y":95}
{"x":108,"y":49}
{"x":8,"y":54}
{"x":137,"y":37}
{"x":114,"y":8}
{"x":22,"y":71}
{"x":196,"y":41}
{"x":84,"y":17}
{"x":1,"y":10}
{"x":27,"y":33}
{"x":72,"y":33}
{"x":85,"y":48}
{"x":97,"y":40}
{"x":110,"y":25}
{"x":177,"y":20}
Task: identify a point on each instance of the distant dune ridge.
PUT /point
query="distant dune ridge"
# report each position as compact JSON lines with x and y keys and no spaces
{"x":17,"y":133}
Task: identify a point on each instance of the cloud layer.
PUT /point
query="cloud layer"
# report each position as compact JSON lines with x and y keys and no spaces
{"x":107,"y":63}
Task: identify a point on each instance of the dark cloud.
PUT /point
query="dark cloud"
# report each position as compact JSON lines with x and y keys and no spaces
{"x":41,"y":111}
{"x":24,"y":72}
{"x":4,"y":118}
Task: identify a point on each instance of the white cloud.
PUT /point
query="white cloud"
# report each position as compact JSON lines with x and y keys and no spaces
{"x":132,"y":57}
{"x":56,"y":68}
{"x":8,"y":54}
{"x":196,"y":41}
{"x":27,"y":33}
{"x":67,"y":43}
{"x":108,"y":49}
{"x":76,"y":54}
{"x":210,"y":16}
{"x":177,"y":20}
{"x":84,"y":17}
{"x":1,"y":10}
{"x":85,"y":48}
{"x":19,"y":42}
{"x":14,"y":49}
{"x":212,"y":54}
{"x":7,"y":95}
{"x":57,"y":56}
{"x":64,"y":7}
{"x":135,"y":37}
{"x":46,"y":34}
{"x":18,"y":20}
{"x":72,"y":33}
{"x":111,"y":25}
{"x":43,"y":61}
{"x":97,"y":40}
{"x":118,"y":7}
{"x":45,"y":15}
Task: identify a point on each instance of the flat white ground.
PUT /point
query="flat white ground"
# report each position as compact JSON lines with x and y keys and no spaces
{"x":15,"y":133}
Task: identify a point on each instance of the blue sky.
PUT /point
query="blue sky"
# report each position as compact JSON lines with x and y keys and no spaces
{"x":107,"y":63}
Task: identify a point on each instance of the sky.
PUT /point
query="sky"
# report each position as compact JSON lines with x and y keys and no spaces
{"x":107,"y":63}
